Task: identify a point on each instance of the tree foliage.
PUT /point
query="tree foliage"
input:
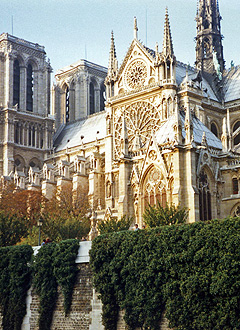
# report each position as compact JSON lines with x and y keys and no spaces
{"x":21,"y":203}
{"x":12,"y":228}
{"x":191,"y":271}
{"x":113,"y":224}
{"x":65,"y":215}
{"x":157,"y":215}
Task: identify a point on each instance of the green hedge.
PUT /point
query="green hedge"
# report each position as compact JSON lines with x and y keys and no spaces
{"x":53,"y":265}
{"x":190,"y":271}
{"x":15,"y":280}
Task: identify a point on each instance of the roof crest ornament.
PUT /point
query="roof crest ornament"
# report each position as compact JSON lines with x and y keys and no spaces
{"x":135,"y":31}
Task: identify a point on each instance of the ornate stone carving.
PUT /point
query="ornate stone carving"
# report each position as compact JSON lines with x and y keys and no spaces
{"x":136,"y":74}
{"x":141,"y":118}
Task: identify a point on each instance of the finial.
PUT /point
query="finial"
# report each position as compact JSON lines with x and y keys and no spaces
{"x":135,"y":28}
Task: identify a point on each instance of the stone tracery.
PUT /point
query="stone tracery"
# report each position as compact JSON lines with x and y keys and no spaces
{"x":141,"y":118}
{"x":136,"y":74}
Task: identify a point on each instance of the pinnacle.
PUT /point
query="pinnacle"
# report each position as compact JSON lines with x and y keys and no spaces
{"x":167,"y":40}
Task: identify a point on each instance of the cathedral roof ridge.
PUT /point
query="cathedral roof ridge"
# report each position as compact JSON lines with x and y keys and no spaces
{"x":11,"y":38}
{"x":81,"y":62}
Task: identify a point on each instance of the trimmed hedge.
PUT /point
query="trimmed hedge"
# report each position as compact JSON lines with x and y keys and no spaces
{"x":191,"y":271}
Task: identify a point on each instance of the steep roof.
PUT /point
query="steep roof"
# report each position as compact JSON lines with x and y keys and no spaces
{"x":231,"y":87}
{"x":166,"y":132}
{"x":71,"y":135}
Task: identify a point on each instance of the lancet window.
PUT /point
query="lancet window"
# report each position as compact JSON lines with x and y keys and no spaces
{"x":235,"y":186}
{"x":16,"y":82}
{"x":92,"y":98}
{"x":205,"y":207}
{"x":102,"y":97}
{"x":67,"y":104}
{"x":236,"y":133}
{"x":29,"y":88}
{"x":154,"y":189}
{"x":214,"y":129}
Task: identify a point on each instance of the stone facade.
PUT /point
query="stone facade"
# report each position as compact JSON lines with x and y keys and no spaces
{"x":166,"y":132}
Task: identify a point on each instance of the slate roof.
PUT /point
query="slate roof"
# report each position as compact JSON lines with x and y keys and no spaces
{"x":166,"y":132}
{"x":231,"y":86}
{"x":71,"y":134}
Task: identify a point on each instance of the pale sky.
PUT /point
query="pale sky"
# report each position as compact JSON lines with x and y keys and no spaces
{"x":72,"y":30}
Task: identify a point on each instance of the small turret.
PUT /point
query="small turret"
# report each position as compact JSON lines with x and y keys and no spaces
{"x":112,"y":69}
{"x":168,"y":59}
{"x":167,"y":50}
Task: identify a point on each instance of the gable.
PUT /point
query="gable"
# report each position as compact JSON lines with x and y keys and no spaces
{"x":137,"y":69}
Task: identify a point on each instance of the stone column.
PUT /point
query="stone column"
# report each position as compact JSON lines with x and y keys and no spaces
{"x":23,"y":88}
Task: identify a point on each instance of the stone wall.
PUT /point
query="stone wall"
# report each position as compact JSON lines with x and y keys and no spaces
{"x":86,"y":308}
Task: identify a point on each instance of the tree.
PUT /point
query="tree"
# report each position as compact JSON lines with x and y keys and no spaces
{"x":158,"y":215}
{"x":21,"y":203}
{"x":65,"y":215}
{"x":113,"y":224}
{"x":12,"y":229}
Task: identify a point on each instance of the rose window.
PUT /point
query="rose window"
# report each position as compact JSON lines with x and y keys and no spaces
{"x":136,"y":74}
{"x":141,"y":119}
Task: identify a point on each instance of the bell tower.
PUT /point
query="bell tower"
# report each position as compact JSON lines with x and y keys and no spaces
{"x":209,"y":49}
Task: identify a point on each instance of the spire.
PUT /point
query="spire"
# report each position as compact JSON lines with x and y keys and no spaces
{"x":112,"y":64}
{"x":135,"y":31}
{"x":112,"y":69}
{"x":167,"y":39}
{"x":209,"y":50}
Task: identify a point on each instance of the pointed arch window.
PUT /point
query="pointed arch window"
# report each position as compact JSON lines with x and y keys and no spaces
{"x":67,"y":104}
{"x":235,"y":186}
{"x":204,"y":197}
{"x":236,"y":133}
{"x":16,"y":82}
{"x":92,"y":98}
{"x":29,"y":88}
{"x":214,"y":129}
{"x":102,"y":97}
{"x":154,"y":189}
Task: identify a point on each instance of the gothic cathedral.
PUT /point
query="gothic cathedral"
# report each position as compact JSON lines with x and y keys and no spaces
{"x":152,"y":129}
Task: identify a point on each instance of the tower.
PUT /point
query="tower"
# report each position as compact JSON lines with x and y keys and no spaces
{"x":26,"y":124}
{"x":209,"y":49}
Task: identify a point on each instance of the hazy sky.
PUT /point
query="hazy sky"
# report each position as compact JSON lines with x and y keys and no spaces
{"x":76,"y":29}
